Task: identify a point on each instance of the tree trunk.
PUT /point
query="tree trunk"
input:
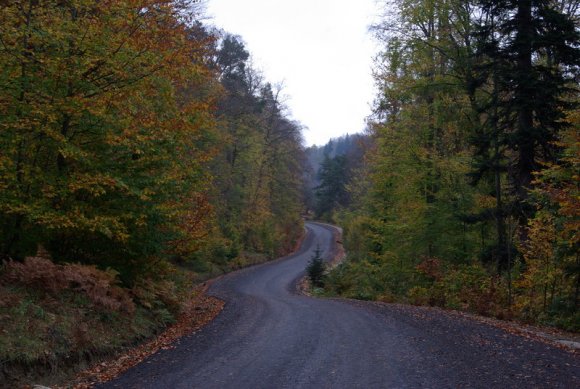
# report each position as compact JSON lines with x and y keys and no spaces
{"x":524,"y":95}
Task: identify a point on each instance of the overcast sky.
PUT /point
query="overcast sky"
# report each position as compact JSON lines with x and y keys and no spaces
{"x":319,"y":49}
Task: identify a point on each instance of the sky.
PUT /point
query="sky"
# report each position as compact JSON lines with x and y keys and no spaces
{"x":321,"y":52}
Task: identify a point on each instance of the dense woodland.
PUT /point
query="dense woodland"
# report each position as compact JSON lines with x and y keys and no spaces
{"x":141,"y":152}
{"x":467,"y":195}
{"x":135,"y":143}
{"x":329,"y":171}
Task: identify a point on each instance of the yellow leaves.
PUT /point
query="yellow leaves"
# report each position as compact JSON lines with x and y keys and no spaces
{"x":543,"y":267}
{"x":560,"y":183}
{"x":195,"y":222}
{"x":484,"y":201}
{"x":77,"y":220}
{"x":541,"y":238}
{"x":146,"y":194}
{"x":94,"y":184}
{"x":141,"y":221}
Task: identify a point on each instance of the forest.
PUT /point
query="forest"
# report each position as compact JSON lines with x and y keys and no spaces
{"x":466,"y":196}
{"x":141,"y":153}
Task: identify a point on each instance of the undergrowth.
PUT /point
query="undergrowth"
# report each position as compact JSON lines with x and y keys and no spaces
{"x":468,"y":288}
{"x":55,"y":317}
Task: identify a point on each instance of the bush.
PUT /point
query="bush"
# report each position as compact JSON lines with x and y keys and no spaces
{"x":419,"y":295}
{"x":58,"y":317}
{"x":99,"y":287}
{"x":316,"y":269}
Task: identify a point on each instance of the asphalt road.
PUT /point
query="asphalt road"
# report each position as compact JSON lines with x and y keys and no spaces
{"x":268,"y":336}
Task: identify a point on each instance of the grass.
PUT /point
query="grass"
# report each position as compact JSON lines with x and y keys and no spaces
{"x":56,"y":320}
{"x":47,"y":336}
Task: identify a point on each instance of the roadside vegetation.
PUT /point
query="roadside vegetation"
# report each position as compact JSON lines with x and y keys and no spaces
{"x":316,"y":269}
{"x":140,"y":153}
{"x":466,"y":193}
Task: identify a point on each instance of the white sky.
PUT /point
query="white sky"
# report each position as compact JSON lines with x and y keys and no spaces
{"x":319,"y":49}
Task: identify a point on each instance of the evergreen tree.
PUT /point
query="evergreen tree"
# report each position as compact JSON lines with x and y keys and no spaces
{"x":316,"y":269}
{"x":532,"y":49}
{"x":332,"y":192}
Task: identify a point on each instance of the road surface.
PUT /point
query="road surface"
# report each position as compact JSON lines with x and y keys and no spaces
{"x":268,"y":336}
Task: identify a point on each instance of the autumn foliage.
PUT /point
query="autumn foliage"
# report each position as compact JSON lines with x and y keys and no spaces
{"x":467,"y":195}
{"x":135,"y":142}
{"x":99,"y":287}
{"x":118,"y":122}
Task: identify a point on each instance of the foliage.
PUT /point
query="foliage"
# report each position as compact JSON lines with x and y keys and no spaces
{"x":56,"y":313}
{"x":331,"y":173}
{"x":99,"y":148}
{"x":135,"y":143}
{"x":316,"y":268}
{"x":468,"y":195}
{"x":331,"y":193}
{"x":258,"y":173}
{"x":550,"y":284}
{"x":42,"y":275}
{"x":115,"y":119}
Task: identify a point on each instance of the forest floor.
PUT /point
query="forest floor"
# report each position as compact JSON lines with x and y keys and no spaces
{"x":199,"y":310}
{"x":79,"y":347}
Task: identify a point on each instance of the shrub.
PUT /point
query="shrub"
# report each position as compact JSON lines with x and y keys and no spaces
{"x":316,"y":269}
{"x":100,"y":287}
{"x":471,"y":288}
{"x":419,"y":295}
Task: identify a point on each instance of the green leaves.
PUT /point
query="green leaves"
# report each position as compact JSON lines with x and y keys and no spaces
{"x":97,"y":144}
{"x":473,"y":99}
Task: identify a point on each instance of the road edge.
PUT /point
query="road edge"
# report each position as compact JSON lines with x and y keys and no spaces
{"x":201,"y":300}
{"x":337,"y":256}
{"x":567,"y":341}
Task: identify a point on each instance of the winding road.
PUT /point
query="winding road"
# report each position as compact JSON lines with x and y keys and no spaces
{"x":269,"y":336}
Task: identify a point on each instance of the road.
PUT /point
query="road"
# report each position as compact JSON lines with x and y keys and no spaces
{"x":268,"y":336}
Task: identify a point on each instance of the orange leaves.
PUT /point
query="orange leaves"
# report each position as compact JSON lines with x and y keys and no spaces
{"x":430,"y":267}
{"x":198,"y":310}
{"x":560,"y":183}
{"x":542,"y":237}
{"x":99,"y":286}
{"x":195,"y":222}
{"x":97,"y":132}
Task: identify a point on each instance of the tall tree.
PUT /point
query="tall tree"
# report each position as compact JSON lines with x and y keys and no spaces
{"x":332,"y":193}
{"x":258,"y":174}
{"x":99,"y":150}
{"x":537,"y":47}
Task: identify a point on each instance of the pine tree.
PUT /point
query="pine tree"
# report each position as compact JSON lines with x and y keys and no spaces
{"x":534,"y":51}
{"x":316,"y":268}
{"x":332,"y":192}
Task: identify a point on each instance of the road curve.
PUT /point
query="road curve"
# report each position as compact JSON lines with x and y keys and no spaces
{"x":268,"y":336}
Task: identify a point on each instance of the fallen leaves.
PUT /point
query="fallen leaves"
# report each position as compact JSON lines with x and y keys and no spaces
{"x":198,"y":311}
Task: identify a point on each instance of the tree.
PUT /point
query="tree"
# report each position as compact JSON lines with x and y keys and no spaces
{"x":534,"y":47}
{"x":332,"y":192}
{"x":316,"y":269}
{"x":471,"y":145}
{"x":258,"y":174}
{"x":100,"y":151}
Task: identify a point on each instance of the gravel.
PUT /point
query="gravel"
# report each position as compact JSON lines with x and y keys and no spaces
{"x":268,"y":336}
